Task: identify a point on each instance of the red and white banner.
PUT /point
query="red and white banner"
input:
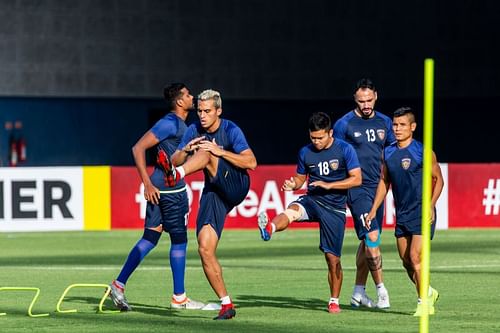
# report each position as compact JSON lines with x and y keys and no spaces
{"x":264,"y":195}
{"x":128,"y":205}
{"x":474,"y":196}
{"x":77,"y":198}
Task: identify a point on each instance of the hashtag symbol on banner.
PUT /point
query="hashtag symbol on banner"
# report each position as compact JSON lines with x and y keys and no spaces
{"x":492,"y":197}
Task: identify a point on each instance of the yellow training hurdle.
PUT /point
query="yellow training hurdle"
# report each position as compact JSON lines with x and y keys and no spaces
{"x":37,"y":293}
{"x":86,"y":285}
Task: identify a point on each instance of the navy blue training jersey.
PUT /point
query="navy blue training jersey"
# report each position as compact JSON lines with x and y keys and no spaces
{"x":404,"y":166}
{"x":228,"y":136}
{"x":368,"y":137}
{"x":169,"y":131}
{"x":329,"y":165}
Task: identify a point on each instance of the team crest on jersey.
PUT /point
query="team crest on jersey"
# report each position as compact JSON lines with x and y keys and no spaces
{"x":334,"y":164}
{"x":357,"y":134}
{"x":381,"y":134}
{"x":405,"y":163}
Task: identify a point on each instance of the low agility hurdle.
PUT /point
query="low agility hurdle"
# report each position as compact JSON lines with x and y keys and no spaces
{"x":86,"y":285}
{"x":33,"y":301}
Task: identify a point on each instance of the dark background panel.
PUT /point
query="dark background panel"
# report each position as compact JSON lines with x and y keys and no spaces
{"x":85,"y":77}
{"x":254,"y":49}
{"x":102,"y":131}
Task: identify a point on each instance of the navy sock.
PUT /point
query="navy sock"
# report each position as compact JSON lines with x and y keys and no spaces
{"x":140,"y":250}
{"x":178,"y":266}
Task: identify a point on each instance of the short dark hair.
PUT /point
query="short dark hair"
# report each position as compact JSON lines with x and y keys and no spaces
{"x":172,"y":92}
{"x":319,"y":121}
{"x":365,"y":83}
{"x":405,"y":110}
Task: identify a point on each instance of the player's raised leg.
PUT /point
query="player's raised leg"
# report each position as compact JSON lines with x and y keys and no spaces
{"x":266,"y":228}
{"x":199,"y":160}
{"x":170,"y":173}
{"x":280,"y":222}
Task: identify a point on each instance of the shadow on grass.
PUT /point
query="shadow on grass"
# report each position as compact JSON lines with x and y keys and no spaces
{"x":313,"y":304}
{"x":92,"y":303}
{"x":159,"y":256}
{"x":85,"y":303}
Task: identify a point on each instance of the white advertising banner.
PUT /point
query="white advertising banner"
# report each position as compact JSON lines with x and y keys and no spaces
{"x":41,"y":199}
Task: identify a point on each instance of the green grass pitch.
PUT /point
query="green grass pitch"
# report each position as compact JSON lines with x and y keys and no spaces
{"x":277,"y":286}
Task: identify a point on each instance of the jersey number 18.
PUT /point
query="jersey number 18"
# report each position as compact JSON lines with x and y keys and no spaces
{"x":324,"y":169}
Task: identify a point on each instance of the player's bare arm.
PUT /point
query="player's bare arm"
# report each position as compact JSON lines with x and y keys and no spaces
{"x":437,"y":180}
{"x":148,"y":140}
{"x":294,"y":183}
{"x":438,"y":183}
{"x":353,"y":179}
{"x":382,"y":189}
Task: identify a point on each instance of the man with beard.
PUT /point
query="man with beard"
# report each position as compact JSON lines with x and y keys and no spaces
{"x":368,"y":131}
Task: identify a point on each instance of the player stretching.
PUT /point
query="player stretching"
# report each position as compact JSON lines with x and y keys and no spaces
{"x":167,"y":208}
{"x":218,"y":147}
{"x":332,"y":167}
{"x":368,"y":131}
{"x":403,"y":169}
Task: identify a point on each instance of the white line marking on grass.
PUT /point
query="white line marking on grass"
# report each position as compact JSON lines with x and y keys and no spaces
{"x":229,"y":266}
{"x":466,"y":266}
{"x":89,"y":268}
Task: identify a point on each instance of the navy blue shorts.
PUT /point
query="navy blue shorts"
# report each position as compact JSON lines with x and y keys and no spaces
{"x":220,"y":195}
{"x":360,"y":201}
{"x":171,"y":213}
{"x":331,"y":224}
{"x":413,"y":228}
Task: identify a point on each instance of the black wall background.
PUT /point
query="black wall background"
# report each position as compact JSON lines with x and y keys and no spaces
{"x":92,"y":71}
{"x":101,"y":131}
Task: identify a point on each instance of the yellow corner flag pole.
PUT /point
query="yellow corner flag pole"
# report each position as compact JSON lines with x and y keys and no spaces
{"x":426,"y":192}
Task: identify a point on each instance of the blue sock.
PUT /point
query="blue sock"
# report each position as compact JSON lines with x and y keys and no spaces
{"x":140,"y":250}
{"x":178,"y":266}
